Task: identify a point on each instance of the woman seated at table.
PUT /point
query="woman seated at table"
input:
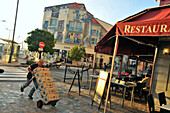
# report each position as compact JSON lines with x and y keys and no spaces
{"x":145,"y":89}
{"x":146,"y":80}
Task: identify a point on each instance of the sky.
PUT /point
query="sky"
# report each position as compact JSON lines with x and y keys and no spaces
{"x":30,"y":13}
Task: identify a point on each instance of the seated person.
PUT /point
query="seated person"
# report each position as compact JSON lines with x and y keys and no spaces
{"x":149,"y":71}
{"x":145,"y":89}
{"x":146,"y":80}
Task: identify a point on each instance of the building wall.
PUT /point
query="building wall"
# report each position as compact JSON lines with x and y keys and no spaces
{"x":162,"y":72}
{"x":105,"y":25}
{"x":5,"y":56}
{"x":65,"y":37}
{"x":70,"y":18}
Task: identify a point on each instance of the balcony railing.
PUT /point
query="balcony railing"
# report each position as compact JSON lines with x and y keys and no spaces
{"x":59,"y":38}
{"x":79,"y":29}
{"x":77,"y":17}
{"x":60,"y":29}
{"x":72,"y":41}
{"x":70,"y":28}
{"x":75,"y":30}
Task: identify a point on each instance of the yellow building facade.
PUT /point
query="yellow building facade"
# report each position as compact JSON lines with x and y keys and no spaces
{"x":73,"y":25}
{"x":5,"y":50}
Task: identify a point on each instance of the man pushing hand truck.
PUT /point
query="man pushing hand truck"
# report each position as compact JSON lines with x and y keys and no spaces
{"x":31,"y":77}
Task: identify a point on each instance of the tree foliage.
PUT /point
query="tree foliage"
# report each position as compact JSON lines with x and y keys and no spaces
{"x":36,"y":36}
{"x":76,"y":53}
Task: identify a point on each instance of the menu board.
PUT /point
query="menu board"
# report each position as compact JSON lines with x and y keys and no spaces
{"x":100,"y":87}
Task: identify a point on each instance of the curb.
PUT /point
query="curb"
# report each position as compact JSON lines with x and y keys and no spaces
{"x":12,"y":64}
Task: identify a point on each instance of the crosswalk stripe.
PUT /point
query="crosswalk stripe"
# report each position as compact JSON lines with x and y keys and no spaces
{"x":12,"y":79}
{"x":13,"y":75}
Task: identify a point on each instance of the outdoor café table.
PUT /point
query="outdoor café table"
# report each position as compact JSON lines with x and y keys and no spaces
{"x":91,"y":81}
{"x":126,"y":85}
{"x":92,"y":76}
{"x":68,"y":67}
{"x":130,"y":78}
{"x":165,"y":107}
{"x":135,"y":79}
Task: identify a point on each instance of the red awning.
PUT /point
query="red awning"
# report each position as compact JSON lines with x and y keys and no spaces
{"x":154,"y":22}
{"x":138,"y":32}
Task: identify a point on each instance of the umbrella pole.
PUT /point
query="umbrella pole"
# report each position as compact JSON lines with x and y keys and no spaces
{"x":128,"y":62}
{"x":94,"y":60}
{"x":111,"y":72}
{"x":136,"y":68}
{"x":120,"y":70}
{"x":153,"y":70}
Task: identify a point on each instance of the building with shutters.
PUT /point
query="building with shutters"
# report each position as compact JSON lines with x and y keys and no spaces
{"x":73,"y":25}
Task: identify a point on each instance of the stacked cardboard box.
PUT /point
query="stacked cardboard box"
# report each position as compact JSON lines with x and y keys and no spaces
{"x":46,"y":85}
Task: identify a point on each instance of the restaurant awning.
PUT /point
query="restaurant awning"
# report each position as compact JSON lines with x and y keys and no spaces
{"x":138,"y":34}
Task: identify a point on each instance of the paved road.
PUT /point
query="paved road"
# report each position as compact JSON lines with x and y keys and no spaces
{"x":13,"y":74}
{"x":14,"y":101}
{"x":18,"y":74}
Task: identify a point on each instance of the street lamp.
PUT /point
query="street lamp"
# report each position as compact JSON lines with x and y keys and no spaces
{"x":18,"y":38}
{"x":3,"y":20}
{"x":13,"y":33}
{"x":8,"y":38}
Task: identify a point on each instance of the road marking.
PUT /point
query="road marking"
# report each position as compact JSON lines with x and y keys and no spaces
{"x":13,"y":74}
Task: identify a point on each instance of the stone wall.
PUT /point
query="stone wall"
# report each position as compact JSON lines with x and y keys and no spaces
{"x":162,"y":71}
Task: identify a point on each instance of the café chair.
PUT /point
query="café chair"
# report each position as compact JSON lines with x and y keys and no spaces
{"x":151,"y":104}
{"x":115,"y":86}
{"x":139,"y":90}
{"x":126,"y":79}
{"x":162,"y":100}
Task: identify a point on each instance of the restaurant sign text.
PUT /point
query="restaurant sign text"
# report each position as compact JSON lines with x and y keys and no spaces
{"x":144,"y":29}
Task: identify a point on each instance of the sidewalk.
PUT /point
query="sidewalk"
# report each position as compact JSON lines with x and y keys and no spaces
{"x":14,"y":101}
{"x":20,"y":63}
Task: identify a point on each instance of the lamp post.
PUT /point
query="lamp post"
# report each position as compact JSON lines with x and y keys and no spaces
{"x":18,"y":38}
{"x":3,"y":20}
{"x":13,"y":33}
{"x":8,"y":38}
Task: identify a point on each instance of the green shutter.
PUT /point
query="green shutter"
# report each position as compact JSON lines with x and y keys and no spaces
{"x":90,"y":40}
{"x":58,"y":24}
{"x":97,"y":32}
{"x":73,"y":24}
{"x":91,"y":32}
{"x":96,"y":41}
{"x":55,"y":22}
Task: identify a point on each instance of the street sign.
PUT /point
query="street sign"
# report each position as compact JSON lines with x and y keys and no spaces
{"x":40,"y":49}
{"x":41,"y":44}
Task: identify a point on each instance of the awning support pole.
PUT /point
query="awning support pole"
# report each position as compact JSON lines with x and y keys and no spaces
{"x":153,"y":70}
{"x":94,"y":60}
{"x":136,"y":68}
{"x":111,"y":72}
{"x":120,"y":70}
{"x":128,"y":62}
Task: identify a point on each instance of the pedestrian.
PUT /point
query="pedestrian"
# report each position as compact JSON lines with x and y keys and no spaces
{"x":26,"y":58}
{"x":29,"y":76}
{"x":149,"y":72}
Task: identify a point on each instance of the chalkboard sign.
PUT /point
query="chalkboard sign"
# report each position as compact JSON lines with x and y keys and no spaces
{"x":100,"y":87}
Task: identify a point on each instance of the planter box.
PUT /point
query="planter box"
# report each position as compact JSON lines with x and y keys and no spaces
{"x":75,"y":63}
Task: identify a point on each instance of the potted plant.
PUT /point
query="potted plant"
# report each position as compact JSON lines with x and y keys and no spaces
{"x":76,"y":53}
{"x":128,"y":71}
